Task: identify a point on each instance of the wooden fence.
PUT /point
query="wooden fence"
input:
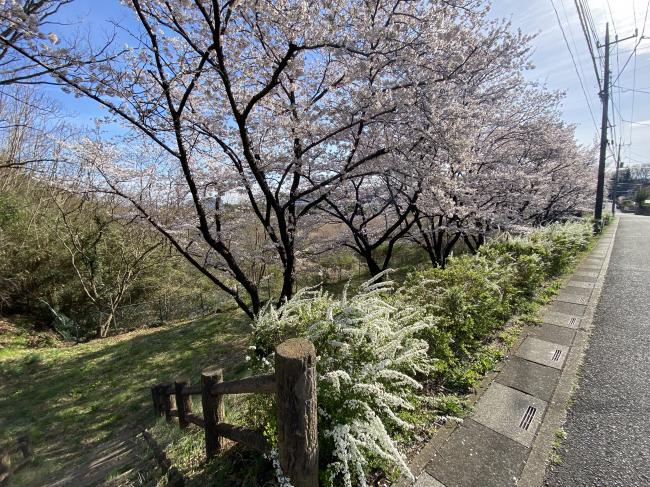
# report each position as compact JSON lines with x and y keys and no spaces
{"x":7,"y":469}
{"x":293,"y":383}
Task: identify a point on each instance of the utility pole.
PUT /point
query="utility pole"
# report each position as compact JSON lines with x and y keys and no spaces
{"x":604,"y":95}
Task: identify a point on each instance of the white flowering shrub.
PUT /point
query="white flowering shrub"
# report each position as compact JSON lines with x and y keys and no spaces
{"x":368,"y":358}
{"x":564,"y":242}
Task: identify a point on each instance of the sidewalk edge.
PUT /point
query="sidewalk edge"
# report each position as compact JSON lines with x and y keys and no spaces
{"x":534,"y":471}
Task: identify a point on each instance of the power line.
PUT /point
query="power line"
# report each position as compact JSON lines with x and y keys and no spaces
{"x":641,"y":37}
{"x":582,"y":16}
{"x":573,"y":41}
{"x":647,"y":124}
{"x":592,"y":24}
{"x":582,"y":86}
{"x":609,"y":7}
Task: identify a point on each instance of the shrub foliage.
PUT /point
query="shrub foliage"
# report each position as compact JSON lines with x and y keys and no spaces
{"x":377,"y":347}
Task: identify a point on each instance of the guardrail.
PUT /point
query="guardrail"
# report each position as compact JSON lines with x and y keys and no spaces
{"x":294,"y":385}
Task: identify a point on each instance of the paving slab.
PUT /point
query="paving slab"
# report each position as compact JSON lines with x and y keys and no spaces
{"x":589,"y":268}
{"x":476,"y":456}
{"x":551,"y":333}
{"x":579,"y":278}
{"x":579,"y":283}
{"x":583,"y":291}
{"x":598,"y":256}
{"x":529,"y":377}
{"x":543,"y":352}
{"x":571,"y":297}
{"x":510,"y":412}
{"x":586,"y":273}
{"x":561,"y":319}
{"x":426,"y":480}
{"x":559,"y":306}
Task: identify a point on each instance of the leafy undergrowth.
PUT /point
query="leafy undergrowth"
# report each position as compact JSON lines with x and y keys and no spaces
{"x":71,"y":398}
{"x":18,"y":333}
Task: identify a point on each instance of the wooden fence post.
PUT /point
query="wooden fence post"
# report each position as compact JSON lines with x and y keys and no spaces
{"x":25,"y":446}
{"x":213,"y":411}
{"x":295,"y":375}
{"x":155,"y":397}
{"x":169,"y":402}
{"x":183,"y":402}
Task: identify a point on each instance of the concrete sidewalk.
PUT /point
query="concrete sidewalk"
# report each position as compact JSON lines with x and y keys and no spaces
{"x":507,"y":439}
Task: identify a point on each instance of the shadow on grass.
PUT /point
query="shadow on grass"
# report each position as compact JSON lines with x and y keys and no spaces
{"x":70,"y":399}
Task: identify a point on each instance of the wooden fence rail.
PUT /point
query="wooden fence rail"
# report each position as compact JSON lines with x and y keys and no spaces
{"x":7,"y":469}
{"x":294,"y":385}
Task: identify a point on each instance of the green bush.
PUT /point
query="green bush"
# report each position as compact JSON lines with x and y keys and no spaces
{"x":527,"y":259}
{"x":475,"y":295}
{"x":368,"y":358}
{"x":468,"y":300}
{"x":564,"y":242}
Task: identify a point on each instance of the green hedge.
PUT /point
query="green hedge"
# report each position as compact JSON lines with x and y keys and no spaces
{"x":377,"y":347}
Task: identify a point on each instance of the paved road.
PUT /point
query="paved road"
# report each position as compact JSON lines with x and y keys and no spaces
{"x":608,"y":426}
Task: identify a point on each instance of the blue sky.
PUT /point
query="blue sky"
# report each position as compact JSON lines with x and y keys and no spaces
{"x":553,"y":63}
{"x":555,"y":67}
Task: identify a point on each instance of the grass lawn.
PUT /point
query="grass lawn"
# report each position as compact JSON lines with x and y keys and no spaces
{"x":70,"y":398}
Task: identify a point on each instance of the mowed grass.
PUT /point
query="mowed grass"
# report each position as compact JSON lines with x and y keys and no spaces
{"x":69,"y":399}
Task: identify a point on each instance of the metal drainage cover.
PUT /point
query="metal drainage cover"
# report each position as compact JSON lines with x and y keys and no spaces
{"x":561,"y":319}
{"x":510,"y":412}
{"x":543,"y":352}
{"x":527,"y":418}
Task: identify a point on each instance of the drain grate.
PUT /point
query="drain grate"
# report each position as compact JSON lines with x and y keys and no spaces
{"x":573,"y":321}
{"x":528,"y":418}
{"x":556,"y":355}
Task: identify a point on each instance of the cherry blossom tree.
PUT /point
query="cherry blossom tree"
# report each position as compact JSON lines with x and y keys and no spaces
{"x":26,"y":23}
{"x":245,"y":122}
{"x":377,"y":212}
{"x":265,"y":106}
{"x":381,"y":210}
{"x":512,"y":172}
